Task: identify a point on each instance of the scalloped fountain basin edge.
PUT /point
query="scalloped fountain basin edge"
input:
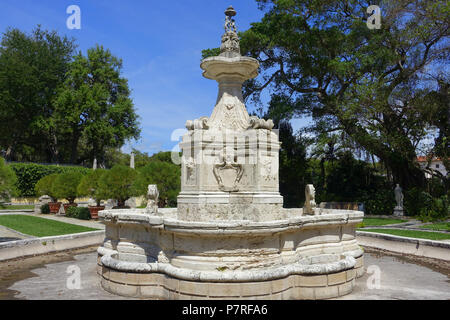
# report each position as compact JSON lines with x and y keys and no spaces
{"x":300,"y":257}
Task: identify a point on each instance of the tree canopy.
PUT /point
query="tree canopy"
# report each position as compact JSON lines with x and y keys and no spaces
{"x":381,"y":87}
{"x":60,"y":107}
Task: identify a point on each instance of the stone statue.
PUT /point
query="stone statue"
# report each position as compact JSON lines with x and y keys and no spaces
{"x":94,"y":165}
{"x":398,"y":210}
{"x":152,"y":198}
{"x":310,"y":199}
{"x":398,"y":196}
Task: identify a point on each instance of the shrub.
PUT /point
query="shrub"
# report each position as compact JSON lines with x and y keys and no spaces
{"x":78,"y":213}
{"x":8,"y":182}
{"x":65,"y":185}
{"x":165,"y":175}
{"x":438,"y":209}
{"x":117,"y":184}
{"x":89,"y":185}
{"x":28,"y":174}
{"x":382,"y":202}
{"x":44,"y":186}
{"x":415,"y":200}
{"x":45,"y":209}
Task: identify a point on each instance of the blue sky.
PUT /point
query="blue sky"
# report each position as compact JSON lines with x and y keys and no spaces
{"x":160,"y":43}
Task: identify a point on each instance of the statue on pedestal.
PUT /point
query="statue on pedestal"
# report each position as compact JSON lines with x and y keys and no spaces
{"x":398,"y":210}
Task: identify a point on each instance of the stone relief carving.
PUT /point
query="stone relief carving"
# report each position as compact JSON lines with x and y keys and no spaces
{"x":190,"y":171}
{"x":225,"y":181}
{"x":201,"y":123}
{"x":152,"y":198}
{"x":267,"y":173}
{"x":257,"y":123}
{"x":310,"y":199}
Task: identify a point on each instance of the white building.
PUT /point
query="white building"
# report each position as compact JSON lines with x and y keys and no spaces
{"x":435,"y":164}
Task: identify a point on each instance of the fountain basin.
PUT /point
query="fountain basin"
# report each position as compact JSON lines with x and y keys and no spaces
{"x":300,"y":257}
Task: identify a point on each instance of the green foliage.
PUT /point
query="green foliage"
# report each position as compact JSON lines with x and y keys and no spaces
{"x":65,"y":185}
{"x":28,"y":174}
{"x":8,"y":182}
{"x":320,"y":59}
{"x":94,"y":107}
{"x":59,"y":107}
{"x":210,"y":53}
{"x":32,"y":67}
{"x":89,"y":185}
{"x":381,"y":202}
{"x":45,"y":209}
{"x":438,"y":209}
{"x":45,"y":186}
{"x":78,"y":213}
{"x":415,"y":199}
{"x":166,"y":176}
{"x":117,"y":184}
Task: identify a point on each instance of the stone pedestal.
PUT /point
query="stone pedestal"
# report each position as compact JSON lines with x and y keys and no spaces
{"x":398,"y":211}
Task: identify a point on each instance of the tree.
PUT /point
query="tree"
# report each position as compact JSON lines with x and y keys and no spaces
{"x":65,"y":186}
{"x":94,"y":105}
{"x":89,"y":185}
{"x":117,"y":184}
{"x":32,"y":67}
{"x":322,"y":60}
{"x":166,"y":176}
{"x":7,"y":181}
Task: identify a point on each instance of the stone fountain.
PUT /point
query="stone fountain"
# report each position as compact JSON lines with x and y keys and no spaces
{"x":230,"y":237}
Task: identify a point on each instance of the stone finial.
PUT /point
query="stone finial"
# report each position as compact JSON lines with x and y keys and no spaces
{"x":132,"y":160}
{"x":230,"y":40}
{"x":152,"y":198}
{"x":310,"y":199}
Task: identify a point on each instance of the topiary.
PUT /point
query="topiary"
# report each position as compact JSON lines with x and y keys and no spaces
{"x":117,"y":183}
{"x":8,"y":182}
{"x":89,"y":185}
{"x":44,"y":186}
{"x":82,"y":213}
{"x":65,"y":185}
{"x":78,"y":213}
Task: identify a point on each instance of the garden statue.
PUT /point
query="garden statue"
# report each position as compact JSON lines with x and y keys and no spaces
{"x":398,"y":210}
{"x":152,"y":198}
{"x":310,"y":199}
{"x":94,"y":165}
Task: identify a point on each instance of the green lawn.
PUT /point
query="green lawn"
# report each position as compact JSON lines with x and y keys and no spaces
{"x":442,"y":226}
{"x":40,"y":227}
{"x":412,"y":233}
{"x":16,"y":207}
{"x":380,"y":221}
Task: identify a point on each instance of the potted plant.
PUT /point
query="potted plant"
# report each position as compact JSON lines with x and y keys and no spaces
{"x":44,"y":187}
{"x":89,"y":187}
{"x":65,"y":186}
{"x":117,"y":184}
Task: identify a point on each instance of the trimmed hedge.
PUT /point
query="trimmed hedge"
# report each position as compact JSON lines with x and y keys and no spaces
{"x":28,"y":174}
{"x":78,"y":213}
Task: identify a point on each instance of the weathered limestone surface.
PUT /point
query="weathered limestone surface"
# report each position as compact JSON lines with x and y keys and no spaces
{"x":230,"y":237}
